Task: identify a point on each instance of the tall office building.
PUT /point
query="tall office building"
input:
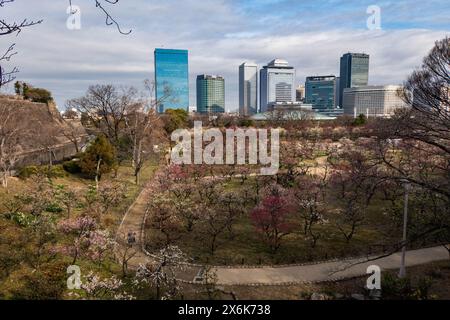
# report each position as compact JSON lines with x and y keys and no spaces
{"x":354,"y":72}
{"x":277,"y":84}
{"x":210,"y":94}
{"x":300,"y":93}
{"x":321,"y":92}
{"x":373,"y":101}
{"x":248,"y":89}
{"x":337,"y":93}
{"x":172,"y":79}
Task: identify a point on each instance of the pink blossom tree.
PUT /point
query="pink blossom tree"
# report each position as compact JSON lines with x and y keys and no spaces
{"x":86,"y":240}
{"x":271,"y":220}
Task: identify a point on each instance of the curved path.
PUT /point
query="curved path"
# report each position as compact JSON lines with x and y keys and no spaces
{"x":326,"y":271}
{"x":312,"y":273}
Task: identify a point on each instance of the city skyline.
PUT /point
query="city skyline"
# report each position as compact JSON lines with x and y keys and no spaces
{"x":69,"y":61}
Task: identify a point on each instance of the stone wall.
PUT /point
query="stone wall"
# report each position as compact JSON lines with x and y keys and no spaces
{"x":41,"y":128}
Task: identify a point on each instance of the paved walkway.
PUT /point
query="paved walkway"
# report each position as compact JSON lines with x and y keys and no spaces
{"x":133,"y":222}
{"x":326,"y":271}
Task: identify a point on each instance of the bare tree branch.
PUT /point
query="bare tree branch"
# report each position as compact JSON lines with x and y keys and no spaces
{"x":7,"y":28}
{"x":109,"y":20}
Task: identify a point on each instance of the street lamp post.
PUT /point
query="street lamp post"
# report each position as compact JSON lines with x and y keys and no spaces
{"x":407,"y":186}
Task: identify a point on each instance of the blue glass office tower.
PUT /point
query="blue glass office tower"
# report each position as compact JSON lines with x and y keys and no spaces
{"x":172,"y":79}
{"x":210,"y":94}
{"x":321,"y":92}
{"x":354,"y":72}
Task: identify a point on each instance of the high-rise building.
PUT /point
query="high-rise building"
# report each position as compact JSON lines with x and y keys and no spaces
{"x":277,"y":83}
{"x":373,"y":101}
{"x":248,"y":89}
{"x":300,"y":93}
{"x":321,"y":92}
{"x":171,"y":79}
{"x":354,"y":72}
{"x":337,"y":94}
{"x":210,"y":94}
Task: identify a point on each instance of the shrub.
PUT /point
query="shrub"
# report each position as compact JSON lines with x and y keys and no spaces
{"x":26,"y":172}
{"x":175,"y":119}
{"x":423,"y":288}
{"x":397,"y":288}
{"x":72,"y":167}
{"x":33,"y":94}
{"x":56,"y":171}
{"x":100,"y":151}
{"x":360,"y":120}
{"x":246,"y":123}
{"x":54,"y":208}
{"x":38,"y":95}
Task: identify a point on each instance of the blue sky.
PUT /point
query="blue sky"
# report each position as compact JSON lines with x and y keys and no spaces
{"x":220,"y":35}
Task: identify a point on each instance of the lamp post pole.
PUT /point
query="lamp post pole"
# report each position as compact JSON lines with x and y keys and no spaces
{"x":407,"y":186}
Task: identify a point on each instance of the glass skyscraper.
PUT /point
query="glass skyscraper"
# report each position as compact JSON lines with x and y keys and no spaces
{"x":210,"y":94}
{"x":277,"y":84}
{"x":354,"y":72}
{"x":248,"y":89}
{"x":172,"y":79}
{"x":321,"y":92}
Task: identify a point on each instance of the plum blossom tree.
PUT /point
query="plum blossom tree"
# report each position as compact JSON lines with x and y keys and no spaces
{"x":295,"y":160}
{"x":162,"y":217}
{"x":232,"y":207}
{"x":94,"y":287}
{"x":85,"y":239}
{"x":308,"y":197}
{"x":214,"y":223}
{"x":356,"y":177}
{"x":67,"y":197}
{"x":271,"y":219}
{"x":162,"y":274}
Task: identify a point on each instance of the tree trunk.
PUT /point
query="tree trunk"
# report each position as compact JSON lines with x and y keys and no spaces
{"x":75,"y":257}
{"x":124,"y":264}
{"x":213,"y":244}
{"x":5,"y":179}
{"x":138,"y":161}
{"x":77,"y":148}
{"x":137,"y":176}
{"x":50,"y":159}
{"x":97,"y":173}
